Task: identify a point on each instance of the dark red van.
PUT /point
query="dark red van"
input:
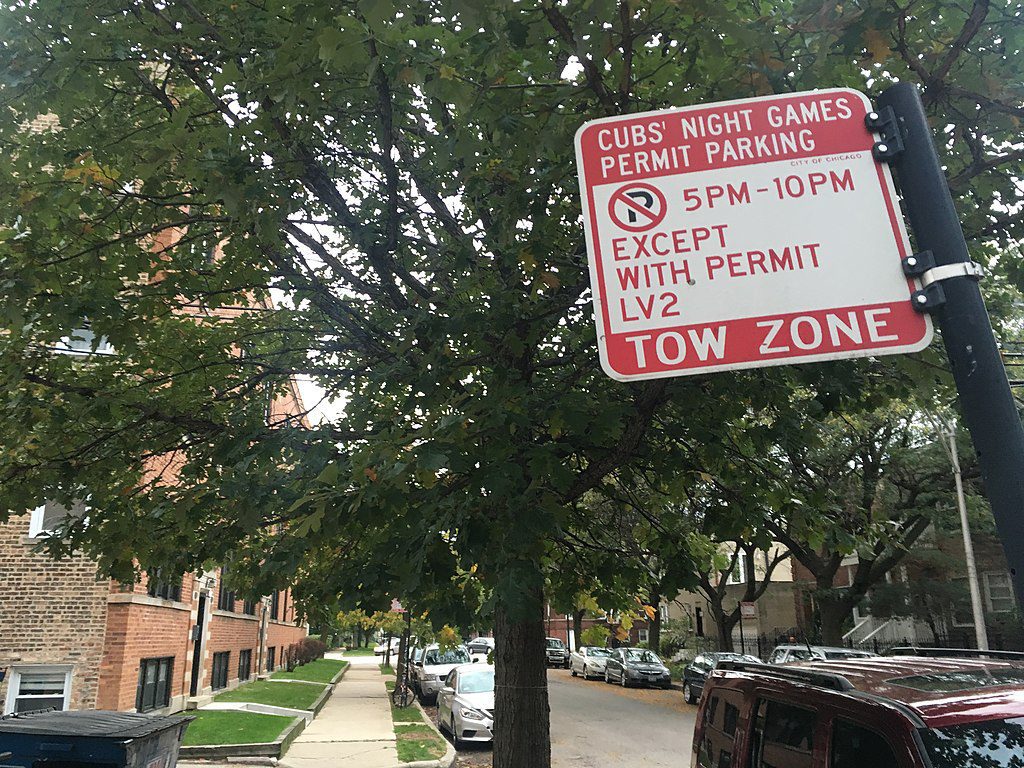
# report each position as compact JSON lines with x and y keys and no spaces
{"x":923,"y":711}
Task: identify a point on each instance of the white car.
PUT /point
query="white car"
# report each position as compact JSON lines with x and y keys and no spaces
{"x":588,"y":661}
{"x":380,"y":650}
{"x":430,"y":671}
{"x":480,"y":648}
{"x":465,"y":705}
{"x":784,"y":654}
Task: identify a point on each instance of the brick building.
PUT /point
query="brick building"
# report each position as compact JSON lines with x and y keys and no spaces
{"x":72,"y":640}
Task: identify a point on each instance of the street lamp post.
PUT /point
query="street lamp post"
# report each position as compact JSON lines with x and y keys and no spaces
{"x":947,"y":431}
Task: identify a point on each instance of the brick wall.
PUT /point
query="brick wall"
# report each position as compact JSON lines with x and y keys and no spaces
{"x":143,"y":627}
{"x":51,"y":612}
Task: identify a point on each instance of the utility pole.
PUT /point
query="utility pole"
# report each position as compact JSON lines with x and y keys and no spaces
{"x":952,"y":295}
{"x":947,"y":431}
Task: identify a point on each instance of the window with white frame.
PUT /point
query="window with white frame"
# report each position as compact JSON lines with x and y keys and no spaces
{"x":663,"y":612}
{"x":81,"y":342}
{"x":33,"y":688}
{"x":999,"y":592}
{"x":738,"y":574}
{"x":642,"y":635}
{"x":48,"y":518}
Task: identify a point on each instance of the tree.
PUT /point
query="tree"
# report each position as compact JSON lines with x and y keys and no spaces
{"x":714,"y":582}
{"x":596,"y":635}
{"x":392,"y":188}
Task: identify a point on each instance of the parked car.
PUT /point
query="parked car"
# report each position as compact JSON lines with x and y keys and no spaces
{"x":878,"y":712}
{"x":697,"y":671}
{"x":382,"y":648}
{"x":588,"y":661}
{"x":480,"y":648}
{"x":557,"y":653}
{"x":783,"y":654}
{"x":636,"y":666}
{"x":465,"y":705}
{"x":429,"y":673}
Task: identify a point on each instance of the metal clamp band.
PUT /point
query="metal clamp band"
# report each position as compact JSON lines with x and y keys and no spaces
{"x":971,"y":269}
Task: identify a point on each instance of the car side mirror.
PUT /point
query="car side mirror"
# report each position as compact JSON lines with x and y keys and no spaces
{"x":447,"y":690}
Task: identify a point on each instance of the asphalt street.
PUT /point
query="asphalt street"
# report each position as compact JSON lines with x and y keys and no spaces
{"x":596,"y":725}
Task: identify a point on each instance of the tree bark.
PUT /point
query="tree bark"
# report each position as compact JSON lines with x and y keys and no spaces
{"x":522,"y":736}
{"x":654,"y":624}
{"x":833,"y":613}
{"x":577,"y":627}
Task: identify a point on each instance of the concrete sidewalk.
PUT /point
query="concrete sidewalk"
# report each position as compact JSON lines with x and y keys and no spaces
{"x":354,"y":728}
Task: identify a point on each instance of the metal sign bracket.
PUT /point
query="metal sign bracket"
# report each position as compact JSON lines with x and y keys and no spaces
{"x":885,"y":124}
{"x":922,"y":266}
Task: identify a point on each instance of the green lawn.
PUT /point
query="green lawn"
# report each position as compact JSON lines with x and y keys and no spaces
{"x":418,"y":742}
{"x":319,"y":671}
{"x":387,"y":669}
{"x":410,"y":714}
{"x":359,"y":652}
{"x":226,"y":727}
{"x":293,"y":695}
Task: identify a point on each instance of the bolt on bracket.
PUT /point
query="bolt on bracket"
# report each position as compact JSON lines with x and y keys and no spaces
{"x":922,"y":266}
{"x":890,"y":140}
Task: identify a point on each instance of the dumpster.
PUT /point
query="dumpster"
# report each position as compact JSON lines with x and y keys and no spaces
{"x":92,"y":739}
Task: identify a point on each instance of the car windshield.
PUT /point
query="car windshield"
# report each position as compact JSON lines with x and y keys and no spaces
{"x":598,"y":652}
{"x":988,"y":744}
{"x":451,"y":656}
{"x":477,"y":681}
{"x":642,"y":655}
{"x":553,"y":643}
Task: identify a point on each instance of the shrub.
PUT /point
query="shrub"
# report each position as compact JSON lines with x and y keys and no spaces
{"x":306,"y":650}
{"x":596,"y":635}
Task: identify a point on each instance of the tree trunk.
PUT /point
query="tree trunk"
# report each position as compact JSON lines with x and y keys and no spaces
{"x":654,"y":625}
{"x":577,"y":627}
{"x":522,"y":735}
{"x":833,"y":613}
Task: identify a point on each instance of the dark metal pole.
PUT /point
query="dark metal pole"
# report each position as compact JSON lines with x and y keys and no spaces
{"x":986,"y":401}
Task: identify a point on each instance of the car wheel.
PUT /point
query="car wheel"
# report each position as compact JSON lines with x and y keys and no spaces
{"x":607,"y":677}
{"x":456,"y":741}
{"x":622,"y":680}
{"x":572,"y":671}
{"x":688,"y":694}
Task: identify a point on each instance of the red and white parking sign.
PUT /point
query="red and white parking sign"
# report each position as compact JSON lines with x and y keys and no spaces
{"x":743,"y":234}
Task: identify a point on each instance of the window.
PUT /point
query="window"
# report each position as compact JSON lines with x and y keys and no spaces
{"x":245,"y":664}
{"x":999,"y":593}
{"x":81,"y":340}
{"x":720,"y":719}
{"x":219,"y":678}
{"x":50,"y":516}
{"x":249,"y":607}
{"x":225,"y":596}
{"x":154,"y":691}
{"x":33,"y":688}
{"x":166,"y":588}
{"x":663,"y":613}
{"x":854,"y":747}
{"x":642,"y":635}
{"x":271,"y":659}
{"x":783,"y":735}
{"x":275,"y":606}
{"x":738,"y":574}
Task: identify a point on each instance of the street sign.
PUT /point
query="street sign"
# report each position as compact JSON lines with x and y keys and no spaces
{"x":396,"y":606}
{"x":748,"y":610}
{"x":743,"y":234}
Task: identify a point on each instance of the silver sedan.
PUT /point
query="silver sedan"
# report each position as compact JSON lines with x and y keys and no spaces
{"x":465,"y":705}
{"x":588,"y":661}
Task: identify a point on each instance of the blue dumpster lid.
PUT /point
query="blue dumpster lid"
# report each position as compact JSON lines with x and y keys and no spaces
{"x":98,"y":724}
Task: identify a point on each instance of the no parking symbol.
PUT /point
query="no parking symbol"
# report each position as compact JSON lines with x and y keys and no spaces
{"x":637,"y":207}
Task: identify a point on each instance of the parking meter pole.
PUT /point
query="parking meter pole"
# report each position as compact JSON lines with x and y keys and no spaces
{"x":986,"y":401}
